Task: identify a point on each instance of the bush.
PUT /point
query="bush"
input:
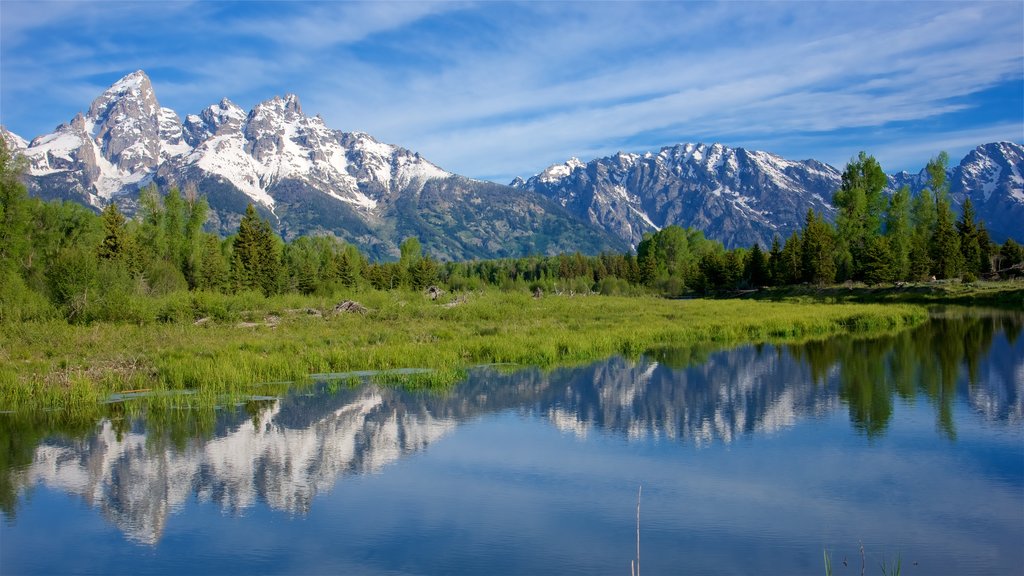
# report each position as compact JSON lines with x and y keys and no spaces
{"x":19,"y":304}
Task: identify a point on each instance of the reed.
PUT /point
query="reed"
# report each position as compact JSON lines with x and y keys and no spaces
{"x":248,"y":339}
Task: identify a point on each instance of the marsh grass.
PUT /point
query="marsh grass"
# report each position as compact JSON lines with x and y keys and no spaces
{"x":54,"y":365}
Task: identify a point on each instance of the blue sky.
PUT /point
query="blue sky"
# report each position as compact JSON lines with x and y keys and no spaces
{"x":496,"y":90}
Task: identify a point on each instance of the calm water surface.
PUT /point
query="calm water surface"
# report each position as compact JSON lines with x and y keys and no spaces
{"x":752,"y":460}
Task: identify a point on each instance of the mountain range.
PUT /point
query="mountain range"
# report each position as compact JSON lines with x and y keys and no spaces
{"x":307,"y":178}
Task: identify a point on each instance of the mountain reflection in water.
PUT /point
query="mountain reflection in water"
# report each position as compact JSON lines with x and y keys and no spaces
{"x":284,"y":452}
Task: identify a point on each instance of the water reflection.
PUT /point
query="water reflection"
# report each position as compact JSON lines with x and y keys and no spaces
{"x":282,"y":452}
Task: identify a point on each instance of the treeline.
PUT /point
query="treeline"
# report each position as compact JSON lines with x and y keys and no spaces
{"x":62,"y":259}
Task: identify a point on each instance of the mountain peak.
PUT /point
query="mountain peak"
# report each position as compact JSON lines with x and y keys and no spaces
{"x":136,"y":79}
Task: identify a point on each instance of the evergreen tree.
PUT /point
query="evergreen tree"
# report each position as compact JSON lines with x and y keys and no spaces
{"x":114,"y":243}
{"x":986,"y":247}
{"x":775,"y":267}
{"x":970,"y":245}
{"x":255,"y":263}
{"x":756,"y":271}
{"x":817,"y":260}
{"x":899,"y":233}
{"x":792,"y":264}
{"x":212,"y":270}
{"x":861,"y":205}
{"x":947,"y":261}
{"x":14,"y":214}
{"x":923,"y":216}
{"x":423,"y":273}
{"x":879,"y":263}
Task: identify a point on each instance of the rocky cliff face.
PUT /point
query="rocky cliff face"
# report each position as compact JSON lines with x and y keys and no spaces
{"x":734,"y":195}
{"x":307,"y":178}
{"x":304,"y":177}
{"x":740,"y":196}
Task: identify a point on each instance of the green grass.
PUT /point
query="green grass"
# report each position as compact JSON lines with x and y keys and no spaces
{"x":51,"y":364}
{"x":1002,"y":294}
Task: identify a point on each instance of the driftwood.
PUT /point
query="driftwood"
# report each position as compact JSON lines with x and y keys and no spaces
{"x":307,"y":311}
{"x":434,"y":292}
{"x":350,"y":306}
{"x":460,"y":300}
{"x":269,"y":322}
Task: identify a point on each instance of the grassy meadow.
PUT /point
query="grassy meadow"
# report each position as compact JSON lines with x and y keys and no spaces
{"x":213,"y":344}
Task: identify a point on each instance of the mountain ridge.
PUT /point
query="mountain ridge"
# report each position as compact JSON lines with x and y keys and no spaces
{"x":307,"y":178}
{"x":741,"y":196}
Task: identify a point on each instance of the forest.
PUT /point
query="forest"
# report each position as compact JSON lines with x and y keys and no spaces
{"x":62,"y":260}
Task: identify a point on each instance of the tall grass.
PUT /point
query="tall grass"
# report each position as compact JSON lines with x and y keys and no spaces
{"x":249,"y":339}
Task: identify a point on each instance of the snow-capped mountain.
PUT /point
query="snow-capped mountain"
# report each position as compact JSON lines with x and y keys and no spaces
{"x":992,"y":176}
{"x":307,"y":178}
{"x":302,"y":175}
{"x":734,"y":195}
{"x":741,"y":196}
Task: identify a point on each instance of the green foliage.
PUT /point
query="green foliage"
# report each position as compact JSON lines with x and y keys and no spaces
{"x":72,"y":281}
{"x":947,"y":260}
{"x":899,"y":232}
{"x":757,"y":271}
{"x":923,"y":218}
{"x":13,"y":209}
{"x":861,"y":205}
{"x":817,"y":251}
{"x":970,"y":240}
{"x":255,"y":262}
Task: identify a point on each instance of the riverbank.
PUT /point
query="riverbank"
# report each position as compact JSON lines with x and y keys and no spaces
{"x":215,"y":347}
{"x":1002,"y":294}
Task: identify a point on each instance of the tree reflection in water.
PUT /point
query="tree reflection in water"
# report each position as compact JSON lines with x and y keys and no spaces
{"x":139,"y":460}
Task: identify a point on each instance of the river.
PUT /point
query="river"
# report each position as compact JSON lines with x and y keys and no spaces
{"x":752,"y":460}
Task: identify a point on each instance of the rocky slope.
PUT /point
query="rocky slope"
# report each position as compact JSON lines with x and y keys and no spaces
{"x":741,"y":196}
{"x":303,"y":176}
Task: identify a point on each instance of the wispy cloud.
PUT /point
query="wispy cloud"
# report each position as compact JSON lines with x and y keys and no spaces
{"x":496,"y":90}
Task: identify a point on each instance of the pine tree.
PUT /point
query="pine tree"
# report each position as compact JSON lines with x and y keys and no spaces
{"x":947,"y":261}
{"x":114,"y":240}
{"x":899,"y":233}
{"x":255,"y":263}
{"x":879,"y":263}
{"x":986,"y":247}
{"x":923,"y":222}
{"x":861,"y":205}
{"x":970,"y":245}
{"x":14,"y":214}
{"x":817,"y":258}
{"x":756,"y":271}
{"x":775,"y":268}
{"x":792,"y":266}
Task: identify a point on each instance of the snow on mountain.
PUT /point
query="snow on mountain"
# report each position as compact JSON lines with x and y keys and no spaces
{"x":14,"y":142}
{"x":992,"y":176}
{"x":734,"y":195}
{"x":304,"y":176}
{"x":741,"y":196}
{"x":126,"y":138}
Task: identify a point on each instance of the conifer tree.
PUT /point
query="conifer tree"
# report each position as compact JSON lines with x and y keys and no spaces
{"x":114,"y":244}
{"x":947,"y":261}
{"x":898,"y":232}
{"x":817,"y":259}
{"x":791,"y":261}
{"x":775,"y":268}
{"x":861,"y":205}
{"x":970,"y":245}
{"x":14,"y":214}
{"x":923,"y":221}
{"x":756,"y":271}
{"x":255,"y":263}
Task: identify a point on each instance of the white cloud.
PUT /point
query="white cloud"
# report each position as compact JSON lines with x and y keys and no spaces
{"x":501,"y":89}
